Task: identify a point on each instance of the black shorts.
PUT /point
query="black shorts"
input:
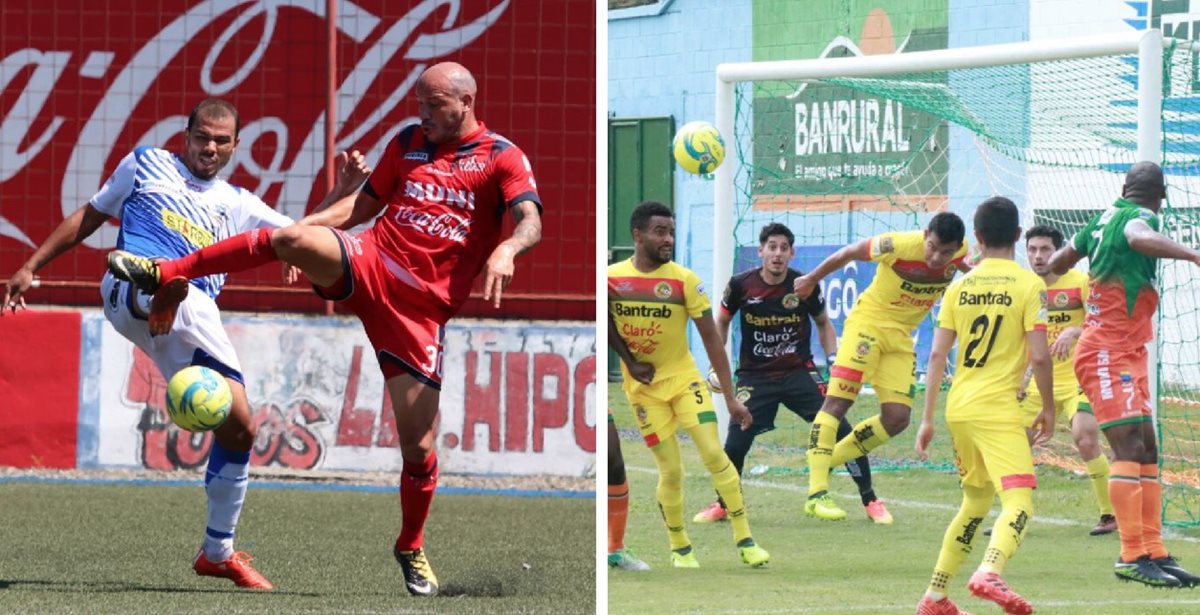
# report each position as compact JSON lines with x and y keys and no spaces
{"x":802,"y":392}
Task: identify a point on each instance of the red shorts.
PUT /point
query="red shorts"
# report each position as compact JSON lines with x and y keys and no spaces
{"x":1116,"y":383}
{"x":407,"y":338}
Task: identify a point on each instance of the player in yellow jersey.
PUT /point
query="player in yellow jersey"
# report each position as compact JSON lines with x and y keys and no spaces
{"x":650,"y":300}
{"x":1066,"y":297}
{"x":998,"y":311}
{"x":876,"y":346}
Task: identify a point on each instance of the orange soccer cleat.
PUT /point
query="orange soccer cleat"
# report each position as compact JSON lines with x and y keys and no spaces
{"x":236,"y":569}
{"x":165,"y":303}
{"x":711,"y":514}
{"x":878,"y":513}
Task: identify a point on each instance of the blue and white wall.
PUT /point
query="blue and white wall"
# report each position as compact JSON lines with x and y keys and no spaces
{"x":662,"y":60}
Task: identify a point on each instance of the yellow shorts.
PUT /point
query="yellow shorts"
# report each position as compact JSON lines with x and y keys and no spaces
{"x":1066,"y":403}
{"x":662,"y":407}
{"x":992,"y":455}
{"x":884,"y":357}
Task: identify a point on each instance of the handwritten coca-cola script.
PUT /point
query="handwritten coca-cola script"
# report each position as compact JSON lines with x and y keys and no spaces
{"x":225,"y":48}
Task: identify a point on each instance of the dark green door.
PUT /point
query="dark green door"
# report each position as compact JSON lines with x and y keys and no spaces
{"x":640,"y":168}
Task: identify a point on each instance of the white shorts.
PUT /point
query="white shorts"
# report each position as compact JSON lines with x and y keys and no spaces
{"x":197,"y":338}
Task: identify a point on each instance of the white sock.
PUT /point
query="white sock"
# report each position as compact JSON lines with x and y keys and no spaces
{"x":225,"y":484}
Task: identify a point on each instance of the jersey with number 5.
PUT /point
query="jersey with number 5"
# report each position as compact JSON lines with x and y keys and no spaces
{"x":991,"y":309}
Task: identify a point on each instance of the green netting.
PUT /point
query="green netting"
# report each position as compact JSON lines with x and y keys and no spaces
{"x":1178,"y":336}
{"x":842,"y":159}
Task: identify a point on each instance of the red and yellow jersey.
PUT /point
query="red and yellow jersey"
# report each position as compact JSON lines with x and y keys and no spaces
{"x":1065,"y":300}
{"x":991,"y":309}
{"x":904,"y":288}
{"x":652,"y":310}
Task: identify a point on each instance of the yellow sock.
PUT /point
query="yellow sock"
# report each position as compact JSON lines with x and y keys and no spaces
{"x":670,"y":490}
{"x":866,"y":437}
{"x":821,"y":439}
{"x":724,"y":477}
{"x":1097,"y":470}
{"x":1017,"y":508}
{"x":956,"y":543}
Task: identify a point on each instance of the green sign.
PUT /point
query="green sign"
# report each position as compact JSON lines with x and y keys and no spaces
{"x":844,"y":137}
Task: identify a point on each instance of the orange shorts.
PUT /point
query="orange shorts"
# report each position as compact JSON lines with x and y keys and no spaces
{"x":1117,"y":384}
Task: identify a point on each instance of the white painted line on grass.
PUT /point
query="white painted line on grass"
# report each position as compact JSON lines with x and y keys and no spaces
{"x":876,"y":608}
{"x":754,"y":482}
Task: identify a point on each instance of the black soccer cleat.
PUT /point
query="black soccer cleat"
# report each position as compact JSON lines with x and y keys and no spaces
{"x":137,"y":270}
{"x":418,"y":575}
{"x":1143,"y":570}
{"x":1170,"y":566}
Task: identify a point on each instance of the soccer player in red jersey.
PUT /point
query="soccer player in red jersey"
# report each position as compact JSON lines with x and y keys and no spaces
{"x":442,"y":186}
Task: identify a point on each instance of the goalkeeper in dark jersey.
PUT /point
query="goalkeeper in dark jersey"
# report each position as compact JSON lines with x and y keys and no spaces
{"x":775,"y":363}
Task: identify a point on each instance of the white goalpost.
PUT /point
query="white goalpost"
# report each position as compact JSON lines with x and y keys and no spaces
{"x":843,"y":148}
{"x":1147,"y":46}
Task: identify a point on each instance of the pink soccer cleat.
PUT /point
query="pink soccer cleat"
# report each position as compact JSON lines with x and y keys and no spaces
{"x":989,"y":586}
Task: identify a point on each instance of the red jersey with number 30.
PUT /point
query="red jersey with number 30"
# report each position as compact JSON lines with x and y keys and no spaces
{"x":445,"y":208}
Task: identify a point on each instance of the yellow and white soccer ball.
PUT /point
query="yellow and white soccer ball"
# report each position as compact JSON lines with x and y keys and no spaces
{"x":699,"y":148}
{"x":198,"y":399}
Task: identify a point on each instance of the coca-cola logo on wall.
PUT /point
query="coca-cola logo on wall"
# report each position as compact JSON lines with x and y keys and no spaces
{"x":73,"y":106}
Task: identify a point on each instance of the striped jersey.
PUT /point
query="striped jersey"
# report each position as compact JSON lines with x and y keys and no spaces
{"x":652,"y":310}
{"x":166,"y":212}
{"x":445,"y":205}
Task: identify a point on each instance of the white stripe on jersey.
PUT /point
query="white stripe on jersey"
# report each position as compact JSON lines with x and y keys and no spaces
{"x":166,"y":212}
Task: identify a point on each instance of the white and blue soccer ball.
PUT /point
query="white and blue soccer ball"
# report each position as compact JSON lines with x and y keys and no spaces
{"x":698,"y":148}
{"x":198,"y":399}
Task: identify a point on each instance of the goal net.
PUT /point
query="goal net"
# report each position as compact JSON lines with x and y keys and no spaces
{"x":841,"y":149}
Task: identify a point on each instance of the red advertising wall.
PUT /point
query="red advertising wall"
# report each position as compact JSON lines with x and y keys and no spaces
{"x":86,"y":82}
{"x":39,"y":383}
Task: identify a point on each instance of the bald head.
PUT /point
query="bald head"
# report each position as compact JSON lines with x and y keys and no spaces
{"x":450,"y":76}
{"x":1144,"y":185}
{"x":446,"y":102}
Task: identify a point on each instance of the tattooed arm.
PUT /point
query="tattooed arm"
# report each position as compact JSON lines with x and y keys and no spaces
{"x":500,"y":264}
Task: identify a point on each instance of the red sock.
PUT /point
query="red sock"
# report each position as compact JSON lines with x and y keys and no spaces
{"x":417,"y":482}
{"x":238,"y":253}
{"x":618,"y":515}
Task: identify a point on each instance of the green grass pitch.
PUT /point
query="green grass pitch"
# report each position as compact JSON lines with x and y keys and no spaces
{"x":852,"y":566}
{"x":85,"y":548}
